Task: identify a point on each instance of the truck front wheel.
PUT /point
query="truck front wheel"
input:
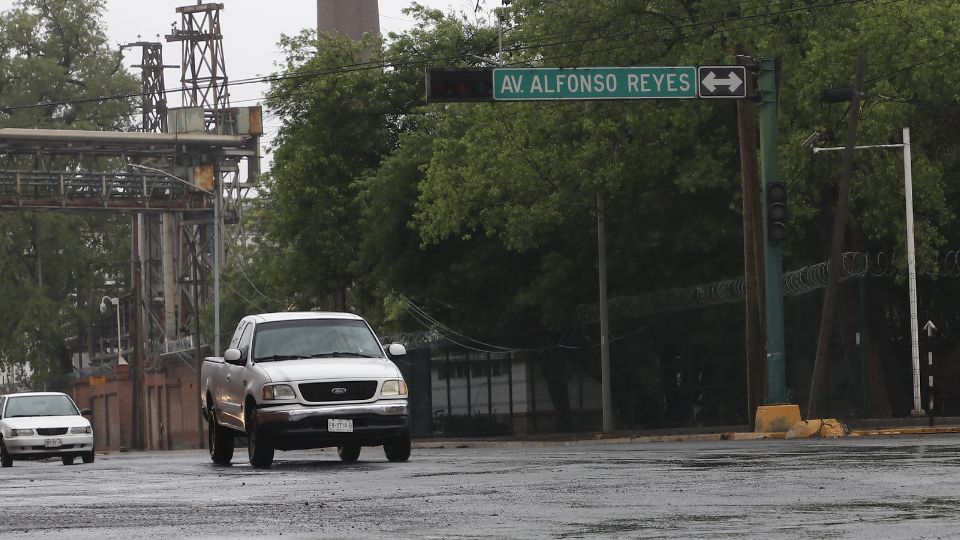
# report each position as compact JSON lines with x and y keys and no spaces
{"x":259,"y":451}
{"x":349,"y":453}
{"x":219,"y":440}
{"x":397,"y":448}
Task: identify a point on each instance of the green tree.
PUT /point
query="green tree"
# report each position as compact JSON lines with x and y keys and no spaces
{"x":335,"y":127}
{"x":344,"y":105}
{"x":55,"y":57}
{"x":485,"y":213}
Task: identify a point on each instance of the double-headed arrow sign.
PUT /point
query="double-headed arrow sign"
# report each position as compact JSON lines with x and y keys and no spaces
{"x":722,"y":81}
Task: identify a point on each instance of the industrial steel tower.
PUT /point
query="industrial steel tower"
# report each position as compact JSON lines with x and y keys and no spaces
{"x":206,"y":91}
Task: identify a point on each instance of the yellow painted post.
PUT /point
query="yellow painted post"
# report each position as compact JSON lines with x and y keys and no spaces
{"x":776,"y":418}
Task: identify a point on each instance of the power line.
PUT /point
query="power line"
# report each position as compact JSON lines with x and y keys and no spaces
{"x":388,"y":63}
{"x":682,"y":26}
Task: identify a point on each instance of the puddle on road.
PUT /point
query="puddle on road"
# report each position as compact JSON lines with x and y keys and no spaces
{"x":926,"y":508}
{"x":673,"y":523}
{"x":709,"y":463}
{"x":465,"y":473}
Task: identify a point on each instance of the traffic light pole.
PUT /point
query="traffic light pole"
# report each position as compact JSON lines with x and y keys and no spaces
{"x":773,"y":264}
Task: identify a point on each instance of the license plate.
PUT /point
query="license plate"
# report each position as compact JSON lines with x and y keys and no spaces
{"x":52,"y":443}
{"x":335,"y":425}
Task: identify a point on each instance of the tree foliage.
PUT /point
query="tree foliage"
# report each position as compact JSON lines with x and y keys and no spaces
{"x":54,"y":57}
{"x":486,"y":213}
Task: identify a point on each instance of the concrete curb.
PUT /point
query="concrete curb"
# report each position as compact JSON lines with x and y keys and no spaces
{"x":436,"y":444}
{"x":905,"y":431}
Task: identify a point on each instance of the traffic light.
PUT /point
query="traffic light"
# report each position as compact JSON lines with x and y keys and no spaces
{"x":446,"y":85}
{"x":776,"y":211}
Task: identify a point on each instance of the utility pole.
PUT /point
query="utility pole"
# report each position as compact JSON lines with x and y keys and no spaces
{"x":752,"y":242}
{"x":912,"y":273}
{"x":911,"y":258}
{"x":136,"y":366}
{"x":773,"y":264}
{"x":151,"y":238}
{"x":836,"y":248}
{"x":604,"y":316}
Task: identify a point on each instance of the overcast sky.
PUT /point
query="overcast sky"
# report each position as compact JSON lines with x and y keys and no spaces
{"x":251,"y":30}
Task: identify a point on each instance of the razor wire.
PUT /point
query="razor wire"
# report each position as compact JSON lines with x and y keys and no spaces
{"x":414,"y":339}
{"x":854,"y":264}
{"x":951,"y":264}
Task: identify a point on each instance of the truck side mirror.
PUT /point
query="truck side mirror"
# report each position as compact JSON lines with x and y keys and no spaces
{"x":395,"y":350}
{"x":233,"y":356}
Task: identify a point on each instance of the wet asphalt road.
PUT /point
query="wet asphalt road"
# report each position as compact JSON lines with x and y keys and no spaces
{"x":876,"y":487}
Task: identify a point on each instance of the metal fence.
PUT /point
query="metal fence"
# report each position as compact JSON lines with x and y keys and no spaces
{"x":679,"y":368}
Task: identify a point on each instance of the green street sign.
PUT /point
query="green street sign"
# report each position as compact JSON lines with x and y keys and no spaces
{"x":531,"y":84}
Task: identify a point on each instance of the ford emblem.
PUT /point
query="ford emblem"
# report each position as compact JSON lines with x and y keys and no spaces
{"x":338,"y":390}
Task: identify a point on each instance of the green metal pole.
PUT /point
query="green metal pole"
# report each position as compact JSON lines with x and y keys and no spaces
{"x":773,"y":294}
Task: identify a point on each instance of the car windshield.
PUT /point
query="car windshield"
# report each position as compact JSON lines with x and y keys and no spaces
{"x":314,"y":338}
{"x":21,"y":406}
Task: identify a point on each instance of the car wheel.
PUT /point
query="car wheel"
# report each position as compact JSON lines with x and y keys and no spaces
{"x":397,"y":448}
{"x":87,"y":457}
{"x":349,"y":453}
{"x":67,"y":460}
{"x":259,"y":451}
{"x":5,"y":459}
{"x":219,"y":440}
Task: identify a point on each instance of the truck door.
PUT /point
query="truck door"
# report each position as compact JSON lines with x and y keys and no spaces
{"x":234,"y":380}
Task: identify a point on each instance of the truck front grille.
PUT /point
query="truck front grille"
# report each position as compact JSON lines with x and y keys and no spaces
{"x":338,"y":391}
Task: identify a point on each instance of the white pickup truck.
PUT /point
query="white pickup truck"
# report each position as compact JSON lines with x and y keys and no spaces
{"x":299,"y":380}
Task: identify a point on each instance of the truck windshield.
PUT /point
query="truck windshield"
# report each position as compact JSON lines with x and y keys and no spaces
{"x":317,"y":338}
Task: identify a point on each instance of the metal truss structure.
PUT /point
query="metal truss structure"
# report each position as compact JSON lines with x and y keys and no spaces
{"x":178,"y":181}
{"x":205,"y":85}
{"x":169,"y":280}
{"x":181,"y":182}
{"x":86,"y":170}
{"x":100,"y":171}
{"x":154,"y":107}
{"x":203,"y":70}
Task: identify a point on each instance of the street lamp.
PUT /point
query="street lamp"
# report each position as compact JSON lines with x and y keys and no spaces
{"x":103,"y":309}
{"x":216,"y":247}
{"x":911,"y":259}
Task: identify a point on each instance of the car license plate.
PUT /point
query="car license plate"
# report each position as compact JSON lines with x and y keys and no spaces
{"x":52,"y":443}
{"x":335,"y":425}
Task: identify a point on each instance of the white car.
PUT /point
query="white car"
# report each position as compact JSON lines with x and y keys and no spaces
{"x":36,"y":425}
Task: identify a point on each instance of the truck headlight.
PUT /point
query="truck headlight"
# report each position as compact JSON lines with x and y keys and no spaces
{"x":394,"y":387}
{"x":84,"y":429}
{"x":278,"y":391}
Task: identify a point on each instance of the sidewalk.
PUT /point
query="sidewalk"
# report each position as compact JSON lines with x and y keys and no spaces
{"x":858,"y":428}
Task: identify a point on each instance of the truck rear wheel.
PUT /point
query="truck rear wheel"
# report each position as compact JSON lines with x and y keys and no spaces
{"x":259,"y":451}
{"x":219,"y":440}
